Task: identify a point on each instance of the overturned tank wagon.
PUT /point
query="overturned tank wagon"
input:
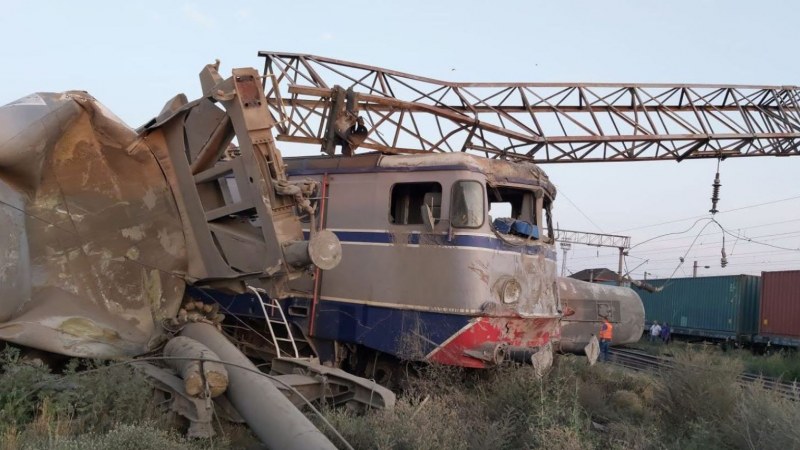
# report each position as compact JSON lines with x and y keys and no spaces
{"x":584,"y":305}
{"x":93,"y":251}
{"x":105,"y":226}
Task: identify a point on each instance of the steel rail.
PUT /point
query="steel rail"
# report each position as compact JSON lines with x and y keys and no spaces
{"x":645,"y":362}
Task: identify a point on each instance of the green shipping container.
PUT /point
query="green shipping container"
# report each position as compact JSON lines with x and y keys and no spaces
{"x":716,"y":307}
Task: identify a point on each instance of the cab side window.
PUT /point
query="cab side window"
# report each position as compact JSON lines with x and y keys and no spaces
{"x":409,"y":201}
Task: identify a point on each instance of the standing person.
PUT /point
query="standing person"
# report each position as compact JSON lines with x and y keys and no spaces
{"x":606,"y":335}
{"x":655,"y":331}
{"x":666,"y":333}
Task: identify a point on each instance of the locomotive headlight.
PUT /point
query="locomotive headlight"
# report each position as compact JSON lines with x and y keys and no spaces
{"x":511,"y":291}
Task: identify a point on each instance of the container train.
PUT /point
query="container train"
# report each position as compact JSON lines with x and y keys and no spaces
{"x":745,"y":308}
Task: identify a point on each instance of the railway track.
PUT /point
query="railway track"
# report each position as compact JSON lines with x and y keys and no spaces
{"x":641,"y":361}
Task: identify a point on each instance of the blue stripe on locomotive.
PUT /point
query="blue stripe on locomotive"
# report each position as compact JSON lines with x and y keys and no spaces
{"x":459,"y":240}
{"x":399,"y":332}
{"x":390,"y":330}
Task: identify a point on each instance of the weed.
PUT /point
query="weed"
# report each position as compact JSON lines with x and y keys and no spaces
{"x":37,"y":405}
{"x":702,"y":388}
{"x":763,"y":419}
{"x":451,"y":408}
{"x":697,"y":404}
{"x":123,"y":437}
{"x":784,"y":364}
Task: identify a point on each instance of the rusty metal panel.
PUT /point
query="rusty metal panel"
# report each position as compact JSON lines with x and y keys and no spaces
{"x":780,"y":304}
{"x":93,"y":250}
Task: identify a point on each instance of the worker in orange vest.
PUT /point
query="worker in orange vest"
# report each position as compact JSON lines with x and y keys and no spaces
{"x":606,"y":334}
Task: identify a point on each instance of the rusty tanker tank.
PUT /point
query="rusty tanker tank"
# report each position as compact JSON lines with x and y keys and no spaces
{"x":584,"y":304}
{"x":92,"y":245}
{"x":104,"y":226}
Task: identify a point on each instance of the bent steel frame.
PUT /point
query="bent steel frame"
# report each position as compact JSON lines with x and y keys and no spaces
{"x":539,"y":122}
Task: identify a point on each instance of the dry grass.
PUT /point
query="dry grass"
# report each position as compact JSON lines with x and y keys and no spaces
{"x":701,"y":389}
{"x":761,"y":419}
{"x":699,"y":405}
{"x":449,"y":408}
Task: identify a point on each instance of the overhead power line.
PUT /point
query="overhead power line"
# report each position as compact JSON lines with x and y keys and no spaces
{"x":563,"y":194}
{"x":708,"y":215}
{"x":655,"y":251}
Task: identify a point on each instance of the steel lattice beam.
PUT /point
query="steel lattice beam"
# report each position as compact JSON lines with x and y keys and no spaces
{"x":539,"y":122}
{"x":593,"y":239}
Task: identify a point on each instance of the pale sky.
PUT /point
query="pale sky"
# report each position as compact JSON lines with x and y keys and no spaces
{"x":133,"y":56}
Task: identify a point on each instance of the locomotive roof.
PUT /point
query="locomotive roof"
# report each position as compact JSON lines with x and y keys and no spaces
{"x":496,"y":171}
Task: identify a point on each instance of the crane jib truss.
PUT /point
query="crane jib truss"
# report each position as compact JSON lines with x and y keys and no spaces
{"x":538,"y":122}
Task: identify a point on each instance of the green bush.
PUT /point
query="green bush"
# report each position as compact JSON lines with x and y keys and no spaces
{"x":87,"y":402}
{"x":95,"y":398}
{"x":22,"y":388}
{"x":784,"y":365}
{"x":698,"y":404}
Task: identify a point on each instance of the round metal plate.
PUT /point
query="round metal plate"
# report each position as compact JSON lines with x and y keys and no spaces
{"x":325,"y":250}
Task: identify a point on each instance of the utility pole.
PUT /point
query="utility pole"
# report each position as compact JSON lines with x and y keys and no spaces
{"x":565,"y":246}
{"x":694,"y":271}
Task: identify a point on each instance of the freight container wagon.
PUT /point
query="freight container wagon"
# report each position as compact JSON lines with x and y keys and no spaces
{"x":717,"y":307}
{"x":779,"y":319}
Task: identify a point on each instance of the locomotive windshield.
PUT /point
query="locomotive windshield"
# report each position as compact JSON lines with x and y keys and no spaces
{"x":515,"y":211}
{"x":467,"y":204}
{"x":517,"y":204}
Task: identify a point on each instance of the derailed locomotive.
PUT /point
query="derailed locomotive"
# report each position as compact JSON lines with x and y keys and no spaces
{"x":427,"y":272}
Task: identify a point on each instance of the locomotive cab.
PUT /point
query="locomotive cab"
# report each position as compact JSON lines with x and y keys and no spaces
{"x":446,"y":258}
